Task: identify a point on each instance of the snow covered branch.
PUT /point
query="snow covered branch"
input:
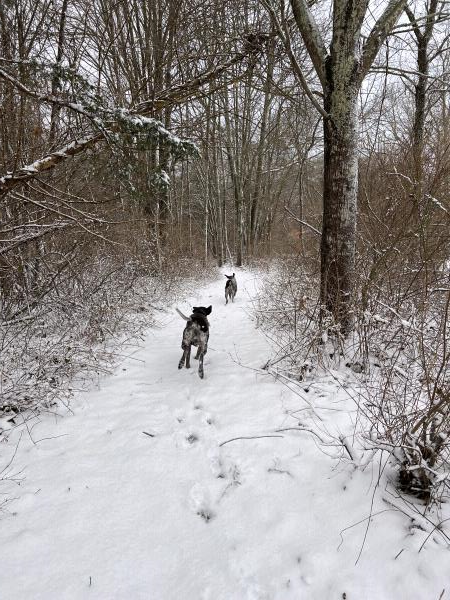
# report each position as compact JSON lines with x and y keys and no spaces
{"x":120,"y":119}
{"x":48,"y":162}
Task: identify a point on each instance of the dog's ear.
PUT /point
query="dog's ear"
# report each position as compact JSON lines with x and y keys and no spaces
{"x":233,"y":274}
{"x":195,"y":309}
{"x":208,"y":310}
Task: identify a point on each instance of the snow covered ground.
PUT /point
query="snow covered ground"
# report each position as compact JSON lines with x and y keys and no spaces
{"x":181,"y":512}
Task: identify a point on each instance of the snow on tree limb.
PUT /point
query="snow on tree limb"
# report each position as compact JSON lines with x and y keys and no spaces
{"x":305,"y":223}
{"x":47,"y":98}
{"x":122,"y":120}
{"x":125,"y":122}
{"x":48,"y":162}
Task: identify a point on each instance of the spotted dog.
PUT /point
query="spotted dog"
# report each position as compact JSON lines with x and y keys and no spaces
{"x":230,"y":288}
{"x":196,"y":333}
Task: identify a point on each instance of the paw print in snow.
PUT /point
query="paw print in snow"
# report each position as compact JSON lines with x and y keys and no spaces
{"x":200,"y":503}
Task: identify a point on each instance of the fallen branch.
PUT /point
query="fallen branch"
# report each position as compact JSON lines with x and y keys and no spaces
{"x":176,"y":95}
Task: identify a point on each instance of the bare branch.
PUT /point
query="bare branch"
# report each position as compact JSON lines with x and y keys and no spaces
{"x":379,"y":33}
{"x":283,"y":32}
{"x":313,"y":229}
{"x":48,"y":98}
{"x":311,"y":36}
{"x":414,"y":24}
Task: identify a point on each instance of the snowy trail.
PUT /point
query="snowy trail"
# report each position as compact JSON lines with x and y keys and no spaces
{"x":107,"y":512}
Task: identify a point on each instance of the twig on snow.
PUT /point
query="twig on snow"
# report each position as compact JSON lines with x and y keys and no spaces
{"x":250,"y":437}
{"x":346,"y":446}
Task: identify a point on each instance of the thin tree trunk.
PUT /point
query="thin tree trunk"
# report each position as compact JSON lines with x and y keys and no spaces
{"x":256,"y":196}
{"x":237,"y":186}
{"x":420,"y":95}
{"x":56,"y":81}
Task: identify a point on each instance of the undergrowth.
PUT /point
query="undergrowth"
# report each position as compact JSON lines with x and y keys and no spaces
{"x":398,"y":357}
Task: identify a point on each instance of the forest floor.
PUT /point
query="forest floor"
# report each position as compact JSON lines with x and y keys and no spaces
{"x":187,"y":512}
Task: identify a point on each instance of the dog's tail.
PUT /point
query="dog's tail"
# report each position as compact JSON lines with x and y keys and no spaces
{"x":181,"y":315}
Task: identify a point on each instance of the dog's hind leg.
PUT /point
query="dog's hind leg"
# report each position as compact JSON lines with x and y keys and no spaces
{"x":185,"y":359}
{"x":188,"y":357}
{"x":182,"y":359}
{"x":200,"y":365}
{"x":197,"y":356}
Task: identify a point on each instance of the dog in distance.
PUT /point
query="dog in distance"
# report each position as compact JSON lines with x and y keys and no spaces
{"x":230,"y":288}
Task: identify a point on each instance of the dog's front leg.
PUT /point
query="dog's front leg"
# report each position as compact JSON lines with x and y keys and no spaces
{"x":197,"y":355}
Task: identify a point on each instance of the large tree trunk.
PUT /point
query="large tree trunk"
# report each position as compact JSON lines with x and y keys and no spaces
{"x":341,"y":71}
{"x":339,"y":210}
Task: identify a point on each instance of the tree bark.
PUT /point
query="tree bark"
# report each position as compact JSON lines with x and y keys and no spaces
{"x":420,"y":96}
{"x":339,"y":211}
{"x":56,"y":81}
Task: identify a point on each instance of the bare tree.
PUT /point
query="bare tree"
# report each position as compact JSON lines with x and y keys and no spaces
{"x":340,"y":69}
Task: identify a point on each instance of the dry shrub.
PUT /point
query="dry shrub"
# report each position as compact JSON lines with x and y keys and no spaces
{"x":398,"y":356}
{"x":406,"y":400}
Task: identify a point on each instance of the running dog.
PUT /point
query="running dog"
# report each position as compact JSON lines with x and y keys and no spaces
{"x":230,"y":288}
{"x":196,"y":333}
